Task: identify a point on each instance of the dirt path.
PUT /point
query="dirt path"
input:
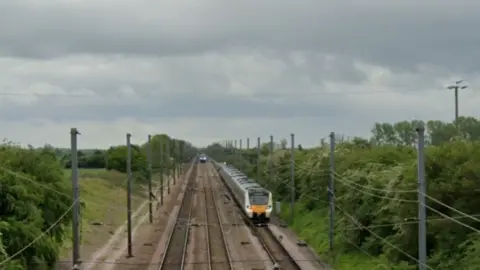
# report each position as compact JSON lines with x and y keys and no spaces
{"x":113,"y":254}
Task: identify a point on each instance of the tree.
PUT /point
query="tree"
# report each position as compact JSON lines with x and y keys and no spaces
{"x":117,"y":159}
{"x":27,"y":208}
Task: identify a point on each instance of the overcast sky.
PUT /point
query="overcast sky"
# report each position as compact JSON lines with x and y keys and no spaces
{"x":210,"y":70}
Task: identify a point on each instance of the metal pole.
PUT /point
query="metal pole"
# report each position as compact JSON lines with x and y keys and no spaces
{"x":76,"y":198}
{"x":456,"y":104}
{"x":129,"y":193}
{"x":235,"y":145}
{"x":270,"y":163}
{"x":177,"y":150}
{"x":167,"y":156}
{"x":292,"y":178}
{"x":258,"y":159}
{"x":174,"y":155}
{"x":422,"y":224}
{"x":331,"y":190}
{"x":162,"y":170}
{"x":149,"y":158}
{"x":179,"y":160}
{"x":240,"y":144}
{"x":182,"y":145}
{"x":458,"y":85}
{"x":248,"y":143}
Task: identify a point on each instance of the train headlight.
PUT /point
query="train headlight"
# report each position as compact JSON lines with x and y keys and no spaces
{"x":249,"y":207}
{"x":269,"y":207}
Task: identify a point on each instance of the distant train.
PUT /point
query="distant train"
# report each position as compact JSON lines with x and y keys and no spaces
{"x":256,"y":201}
{"x":203,"y":159}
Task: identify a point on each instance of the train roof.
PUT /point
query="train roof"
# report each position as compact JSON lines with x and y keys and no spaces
{"x":242,"y":180}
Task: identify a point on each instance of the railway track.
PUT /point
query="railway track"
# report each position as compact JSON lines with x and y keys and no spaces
{"x":218,"y":254}
{"x":174,"y":256}
{"x":275,"y":250}
{"x":278,"y":255}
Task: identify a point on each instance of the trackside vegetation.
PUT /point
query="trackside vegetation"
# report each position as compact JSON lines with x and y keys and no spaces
{"x":376,"y":225}
{"x":35,"y":195}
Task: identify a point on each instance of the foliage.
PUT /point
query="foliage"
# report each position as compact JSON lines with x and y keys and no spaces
{"x":26,"y":210}
{"x":370,"y":175}
{"x":35,"y":193}
{"x":95,"y":159}
{"x":164,"y":151}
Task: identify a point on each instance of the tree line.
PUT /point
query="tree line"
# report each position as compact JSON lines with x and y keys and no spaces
{"x":375,"y":190}
{"x":115,"y":157}
{"x":35,"y":194}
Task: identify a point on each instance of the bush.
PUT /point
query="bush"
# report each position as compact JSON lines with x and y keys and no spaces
{"x":33,"y":196}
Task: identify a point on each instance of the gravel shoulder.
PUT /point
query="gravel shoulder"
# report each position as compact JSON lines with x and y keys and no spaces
{"x":305,"y":256}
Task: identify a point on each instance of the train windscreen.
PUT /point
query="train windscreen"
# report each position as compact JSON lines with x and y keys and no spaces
{"x":258,"y":198}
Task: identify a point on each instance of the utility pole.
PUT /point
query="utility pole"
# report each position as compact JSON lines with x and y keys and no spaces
{"x":129,"y":193}
{"x":179,"y":160}
{"x":162,"y":170}
{"x":248,"y":143}
{"x":240,"y":144}
{"x":258,"y":159}
{"x":174,"y":156}
{"x":76,"y":199}
{"x":455,"y":87}
{"x":270,"y":162}
{"x":331,"y":190}
{"x":167,"y":155}
{"x":292,"y":178}
{"x":422,"y":223}
{"x":149,"y":158}
{"x":182,"y":148}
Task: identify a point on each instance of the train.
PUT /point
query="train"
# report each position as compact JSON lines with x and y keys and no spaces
{"x":256,"y":201}
{"x":203,"y":159}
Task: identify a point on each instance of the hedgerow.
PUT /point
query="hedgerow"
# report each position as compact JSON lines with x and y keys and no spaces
{"x":376,"y":183}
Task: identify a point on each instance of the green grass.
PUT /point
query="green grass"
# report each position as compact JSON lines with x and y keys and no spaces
{"x":104,"y":198}
{"x":312,"y":227}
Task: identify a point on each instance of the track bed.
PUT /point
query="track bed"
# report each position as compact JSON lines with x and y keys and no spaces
{"x":218,"y":252}
{"x":174,"y":256}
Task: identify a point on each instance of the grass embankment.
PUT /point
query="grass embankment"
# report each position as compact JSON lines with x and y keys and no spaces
{"x":307,"y":226}
{"x":104,"y":206}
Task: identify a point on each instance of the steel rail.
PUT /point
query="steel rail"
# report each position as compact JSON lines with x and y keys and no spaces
{"x":207,"y":231}
{"x":257,"y":232}
{"x":220,"y":225}
{"x":168,"y":250}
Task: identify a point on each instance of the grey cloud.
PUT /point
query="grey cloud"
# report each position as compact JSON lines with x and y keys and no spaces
{"x":400,"y":35}
{"x":261,"y":75}
{"x":178,"y":106}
